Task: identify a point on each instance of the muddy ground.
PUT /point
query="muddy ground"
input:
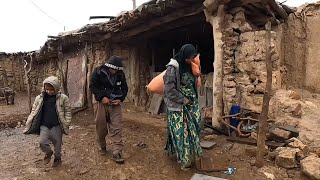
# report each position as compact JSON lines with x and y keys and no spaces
{"x":20,"y":156}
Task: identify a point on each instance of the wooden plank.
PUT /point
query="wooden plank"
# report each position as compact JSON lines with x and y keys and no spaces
{"x":248,"y":141}
{"x":204,"y":177}
{"x":155,"y":104}
{"x":76,"y":80}
{"x":209,"y":96}
{"x":207,"y":144}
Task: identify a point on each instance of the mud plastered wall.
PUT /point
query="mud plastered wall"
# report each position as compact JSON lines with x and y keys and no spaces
{"x":137,"y":72}
{"x":244,"y":67}
{"x":12,"y":73}
{"x":136,"y":69}
{"x":300,"y":48}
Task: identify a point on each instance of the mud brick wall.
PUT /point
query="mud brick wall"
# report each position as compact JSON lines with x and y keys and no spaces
{"x":39,"y":72}
{"x":12,"y":72}
{"x":244,"y":67}
{"x":136,"y":64}
{"x":300,"y":43}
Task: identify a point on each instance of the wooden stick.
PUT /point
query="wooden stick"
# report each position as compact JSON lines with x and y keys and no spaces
{"x":231,"y":116}
{"x":27,"y":79}
{"x":246,"y":118}
{"x":266,"y":98}
{"x":227,"y":124}
{"x":89,"y":74}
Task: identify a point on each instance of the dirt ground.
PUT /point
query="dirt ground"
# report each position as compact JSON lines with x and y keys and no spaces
{"x":20,"y":156}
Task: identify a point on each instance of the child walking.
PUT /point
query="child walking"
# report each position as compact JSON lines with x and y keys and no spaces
{"x":50,"y":117}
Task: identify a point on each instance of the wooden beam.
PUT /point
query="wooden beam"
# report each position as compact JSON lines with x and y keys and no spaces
{"x":266,"y":99}
{"x":288,"y":9}
{"x":156,"y":22}
{"x":258,"y":16}
{"x":154,"y":9}
{"x":53,"y":37}
{"x":217,"y":25}
{"x":248,"y":141}
{"x":234,"y":4}
{"x":166,"y":27}
{"x":276,"y":7}
{"x":101,"y":17}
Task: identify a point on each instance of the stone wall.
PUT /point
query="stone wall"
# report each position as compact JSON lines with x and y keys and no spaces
{"x":244,"y":65}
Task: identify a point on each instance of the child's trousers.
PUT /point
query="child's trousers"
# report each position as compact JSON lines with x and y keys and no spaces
{"x":53,"y":135}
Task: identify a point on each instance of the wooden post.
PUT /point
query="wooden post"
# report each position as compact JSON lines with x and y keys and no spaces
{"x":216,"y":22}
{"x":134,"y":4}
{"x":153,"y":59}
{"x":134,"y":65}
{"x":13,"y":65}
{"x":89,"y":74}
{"x":21,"y":88}
{"x":27,"y":79}
{"x":4,"y":74}
{"x":63,"y":75}
{"x":266,"y":98}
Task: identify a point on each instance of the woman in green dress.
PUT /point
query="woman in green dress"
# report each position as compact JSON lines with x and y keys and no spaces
{"x":181,"y":98}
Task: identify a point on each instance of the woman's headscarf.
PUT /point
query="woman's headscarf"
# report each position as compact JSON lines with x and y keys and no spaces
{"x":186,"y":51}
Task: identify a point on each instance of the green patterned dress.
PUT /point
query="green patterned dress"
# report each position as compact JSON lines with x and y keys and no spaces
{"x":184,"y":126}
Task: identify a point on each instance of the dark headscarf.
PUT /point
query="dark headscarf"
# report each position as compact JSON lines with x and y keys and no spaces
{"x":186,"y":51}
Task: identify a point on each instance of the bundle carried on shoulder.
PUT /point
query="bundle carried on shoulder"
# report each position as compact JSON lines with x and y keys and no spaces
{"x":156,"y":85}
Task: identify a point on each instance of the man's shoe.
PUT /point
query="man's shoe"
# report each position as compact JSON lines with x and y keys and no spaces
{"x":56,"y":162}
{"x":103,"y":151}
{"x":118,"y":158}
{"x":47,"y":158}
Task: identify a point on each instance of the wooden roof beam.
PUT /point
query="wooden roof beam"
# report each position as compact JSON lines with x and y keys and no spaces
{"x":276,"y":7}
{"x":167,"y":27}
{"x":154,"y":23}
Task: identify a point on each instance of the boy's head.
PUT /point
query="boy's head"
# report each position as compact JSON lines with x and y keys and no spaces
{"x":49,"y":89}
{"x":51,"y":85}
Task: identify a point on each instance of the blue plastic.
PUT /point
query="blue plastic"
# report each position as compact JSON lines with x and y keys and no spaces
{"x":234,"y":122}
{"x":230,"y":171}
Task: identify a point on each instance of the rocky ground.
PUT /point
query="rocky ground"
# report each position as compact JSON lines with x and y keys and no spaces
{"x":144,"y":137}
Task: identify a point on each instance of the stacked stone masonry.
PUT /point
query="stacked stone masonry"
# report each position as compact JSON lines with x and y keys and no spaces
{"x":244,"y":68}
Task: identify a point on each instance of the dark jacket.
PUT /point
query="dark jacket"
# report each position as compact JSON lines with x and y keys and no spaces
{"x":103,"y":84}
{"x":172,"y":83}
